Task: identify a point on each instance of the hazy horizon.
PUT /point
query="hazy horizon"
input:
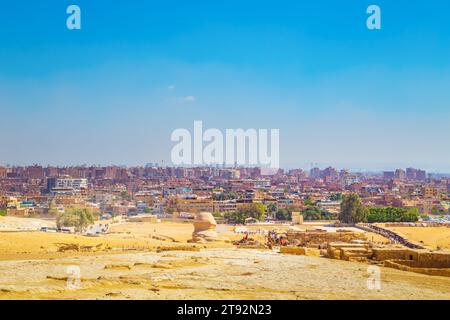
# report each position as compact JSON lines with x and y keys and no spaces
{"x":356,"y":169}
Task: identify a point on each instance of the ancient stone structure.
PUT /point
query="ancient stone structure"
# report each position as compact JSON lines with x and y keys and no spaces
{"x":301,"y":251}
{"x":354,"y":251}
{"x":204,"y":228}
{"x":420,"y":261}
{"x":316,"y":238}
{"x":297,"y":218}
{"x":413,"y":260}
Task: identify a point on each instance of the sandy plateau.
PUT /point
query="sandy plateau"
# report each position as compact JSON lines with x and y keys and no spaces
{"x":154,"y":261}
{"x":430,"y":237}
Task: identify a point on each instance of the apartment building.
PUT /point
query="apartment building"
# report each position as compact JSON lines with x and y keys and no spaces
{"x":195,"y":205}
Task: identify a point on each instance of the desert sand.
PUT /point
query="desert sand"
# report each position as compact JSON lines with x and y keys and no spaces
{"x":126,"y":237}
{"x":154,"y":261}
{"x":430,"y":237}
{"x":223,"y":273}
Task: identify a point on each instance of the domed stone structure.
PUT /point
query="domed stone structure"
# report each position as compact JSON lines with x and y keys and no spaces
{"x":204,"y":228}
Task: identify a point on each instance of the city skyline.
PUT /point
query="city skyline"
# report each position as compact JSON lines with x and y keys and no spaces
{"x":267,"y":171}
{"x":113,"y":92}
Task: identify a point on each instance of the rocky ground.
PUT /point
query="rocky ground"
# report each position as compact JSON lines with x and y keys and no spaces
{"x":154,"y":261}
{"x":222,"y":273}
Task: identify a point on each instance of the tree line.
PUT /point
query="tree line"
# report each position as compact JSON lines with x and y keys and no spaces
{"x":259,"y":211}
{"x":353,"y":211}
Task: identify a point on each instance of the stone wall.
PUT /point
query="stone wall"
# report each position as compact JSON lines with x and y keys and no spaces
{"x":413,"y":266}
{"x":348,"y":251}
{"x":422,"y":258}
{"x":382,"y":254}
{"x":293,"y":250}
{"x":316,"y":238}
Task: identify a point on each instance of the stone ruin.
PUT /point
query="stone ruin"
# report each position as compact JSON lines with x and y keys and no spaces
{"x":356,"y":250}
{"x":415,"y":260}
{"x":354,"y":246}
{"x":314,"y":239}
{"x":406,"y":259}
{"x":204,"y":228}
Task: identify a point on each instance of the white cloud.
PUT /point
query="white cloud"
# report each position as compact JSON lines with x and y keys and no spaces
{"x":171,"y":88}
{"x":189,"y":98}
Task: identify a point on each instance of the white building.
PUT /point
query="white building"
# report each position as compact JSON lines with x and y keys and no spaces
{"x":75,"y":184}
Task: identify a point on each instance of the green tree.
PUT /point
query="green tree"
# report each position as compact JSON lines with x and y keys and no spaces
{"x":437,"y":210}
{"x":218,"y":196}
{"x":352,"y":209}
{"x":148,"y":210}
{"x":3,"y":212}
{"x":125,"y":195}
{"x":79,"y":218}
{"x":53,"y":211}
{"x":253,"y":210}
{"x":315,"y":213}
{"x":283,"y":214}
{"x":232,"y":196}
{"x":392,"y":214}
{"x":308,"y":202}
{"x":217,"y":215}
{"x":272,"y":209}
{"x":311,"y":213}
{"x":336,"y":196}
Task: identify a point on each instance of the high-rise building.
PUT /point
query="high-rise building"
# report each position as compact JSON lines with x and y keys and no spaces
{"x":3,"y":172}
{"x":400,"y":174}
{"x":343,"y":173}
{"x":35,"y":172}
{"x":315,"y":173}
{"x":52,"y":171}
{"x":421,"y":175}
{"x":416,"y":174}
{"x":329,"y":172}
{"x":51,"y":183}
{"x":388,"y":175}
{"x":411,"y":173}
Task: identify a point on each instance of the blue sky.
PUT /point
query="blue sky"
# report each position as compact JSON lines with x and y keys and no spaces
{"x":113,"y":92}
